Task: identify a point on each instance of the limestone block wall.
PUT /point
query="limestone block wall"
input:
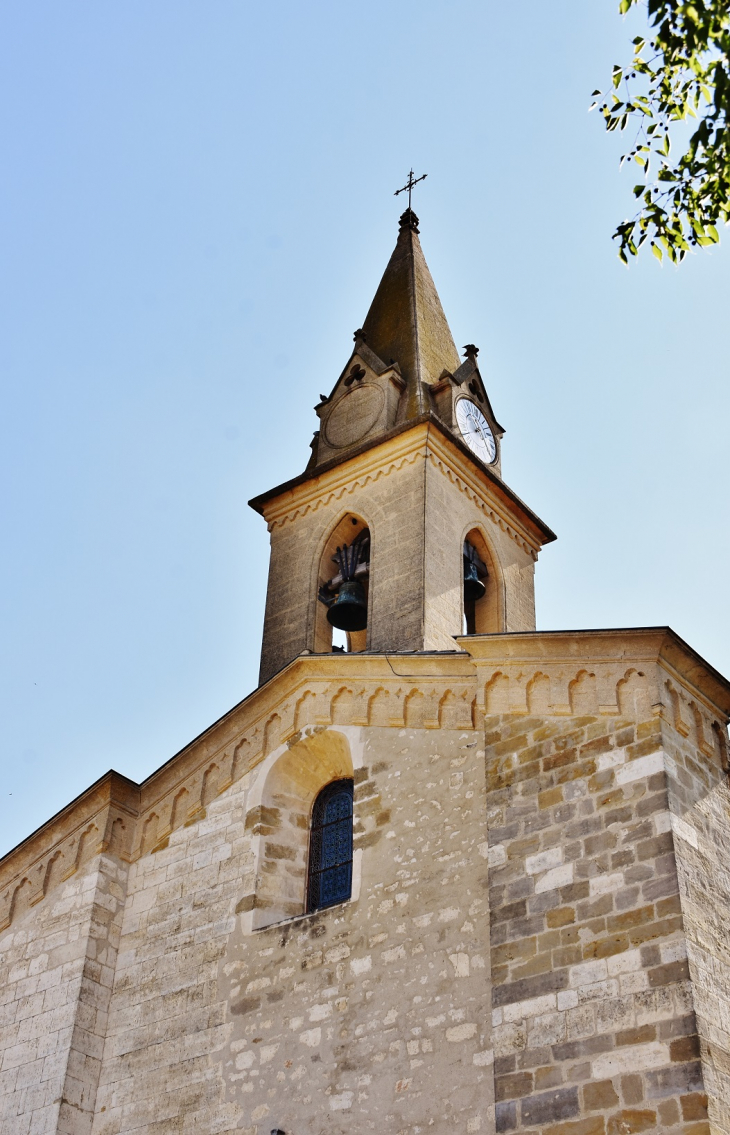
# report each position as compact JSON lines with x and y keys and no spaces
{"x":373,"y":1015}
{"x":699,"y":801}
{"x":542,"y":782}
{"x":57,"y":967}
{"x":594,"y":1023}
{"x":167,"y":1017}
{"x":702,"y":842}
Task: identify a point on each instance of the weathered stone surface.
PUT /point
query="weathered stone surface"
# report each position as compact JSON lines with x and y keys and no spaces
{"x":189,"y":991}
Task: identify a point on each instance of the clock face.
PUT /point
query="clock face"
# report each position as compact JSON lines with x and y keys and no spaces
{"x":475,"y":430}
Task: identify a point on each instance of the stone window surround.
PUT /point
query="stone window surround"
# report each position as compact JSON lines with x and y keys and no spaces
{"x":283,"y":793}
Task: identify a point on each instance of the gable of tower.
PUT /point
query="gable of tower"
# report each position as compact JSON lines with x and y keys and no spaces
{"x":465,"y":382}
{"x":363,"y":404}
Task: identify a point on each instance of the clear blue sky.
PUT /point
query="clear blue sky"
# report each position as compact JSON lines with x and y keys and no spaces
{"x":196,"y":207}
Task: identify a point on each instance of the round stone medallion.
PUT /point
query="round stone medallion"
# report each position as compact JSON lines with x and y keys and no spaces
{"x":354,"y":415}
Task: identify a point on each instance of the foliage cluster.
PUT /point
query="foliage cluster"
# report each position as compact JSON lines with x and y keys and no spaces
{"x":682,"y":72}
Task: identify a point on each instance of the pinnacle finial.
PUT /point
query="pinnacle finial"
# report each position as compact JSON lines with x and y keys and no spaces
{"x":471,"y":351}
{"x":409,"y":220}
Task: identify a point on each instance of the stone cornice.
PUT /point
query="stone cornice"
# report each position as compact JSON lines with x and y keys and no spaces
{"x":503,"y":507}
{"x":251,"y":714}
{"x":578,"y":672}
{"x":86,"y":826}
{"x":401,"y":450}
{"x":105,"y":813}
{"x":425,"y":439}
{"x":111,"y":788}
{"x":628,"y":646}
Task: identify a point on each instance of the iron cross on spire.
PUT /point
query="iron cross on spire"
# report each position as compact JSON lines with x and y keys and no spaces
{"x":409,"y":185}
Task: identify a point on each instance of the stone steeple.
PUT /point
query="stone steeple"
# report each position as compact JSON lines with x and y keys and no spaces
{"x":406,"y":469}
{"x":404,"y":365}
{"x":406,"y":322}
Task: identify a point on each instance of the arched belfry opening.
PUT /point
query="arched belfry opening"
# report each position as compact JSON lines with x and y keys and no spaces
{"x":481,"y":590}
{"x":343,"y":588}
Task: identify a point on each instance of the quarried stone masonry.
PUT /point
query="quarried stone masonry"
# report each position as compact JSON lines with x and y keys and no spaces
{"x":173,"y":982}
{"x":529,"y":863}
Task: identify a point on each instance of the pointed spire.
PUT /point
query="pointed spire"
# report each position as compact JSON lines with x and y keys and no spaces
{"x":406,"y":323}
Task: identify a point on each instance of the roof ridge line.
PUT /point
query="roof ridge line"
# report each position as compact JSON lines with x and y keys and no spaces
{"x":414,"y":302}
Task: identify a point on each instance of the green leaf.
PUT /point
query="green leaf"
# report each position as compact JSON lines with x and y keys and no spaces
{"x":686,"y":74}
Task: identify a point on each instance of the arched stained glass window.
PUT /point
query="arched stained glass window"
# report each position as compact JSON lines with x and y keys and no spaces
{"x":330,"y":849}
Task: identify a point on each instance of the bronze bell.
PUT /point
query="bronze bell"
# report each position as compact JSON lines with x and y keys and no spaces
{"x":349,"y":612}
{"x":473,"y":586}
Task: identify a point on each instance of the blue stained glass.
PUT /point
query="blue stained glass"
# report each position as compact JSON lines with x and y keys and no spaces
{"x":338,"y":807}
{"x":330,"y":856}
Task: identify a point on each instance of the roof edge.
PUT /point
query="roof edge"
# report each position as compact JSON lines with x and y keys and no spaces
{"x":662,"y":642}
{"x":258,"y":502}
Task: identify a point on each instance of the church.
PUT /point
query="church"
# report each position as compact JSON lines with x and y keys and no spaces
{"x":441,"y":872}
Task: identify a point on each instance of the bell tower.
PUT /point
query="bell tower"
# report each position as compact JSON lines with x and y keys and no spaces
{"x":401,"y":530}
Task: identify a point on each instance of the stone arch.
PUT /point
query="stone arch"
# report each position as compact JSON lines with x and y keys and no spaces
{"x":272,"y":733}
{"x":698,"y":724}
{"x":279,"y":816}
{"x":342,"y":706}
{"x":632,"y":696}
{"x":343,"y":531}
{"x":486,"y":615}
{"x":497,"y":693}
{"x":415,"y":710}
{"x":538,"y":693}
{"x":149,"y":833}
{"x":583,"y":694}
{"x":304,"y":711}
{"x":676,"y":709}
{"x":381,"y":707}
{"x":54,"y":872}
{"x":180,"y":807}
{"x":241,"y":758}
{"x":720,"y":738}
{"x":455,"y":711}
{"x":21,"y":900}
{"x":5,"y":904}
{"x":211,"y":783}
{"x":448,"y":709}
{"x":85,"y":843}
{"x":117,"y":837}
